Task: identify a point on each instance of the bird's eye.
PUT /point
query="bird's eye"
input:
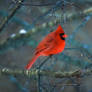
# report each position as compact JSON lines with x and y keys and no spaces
{"x":61,"y":34}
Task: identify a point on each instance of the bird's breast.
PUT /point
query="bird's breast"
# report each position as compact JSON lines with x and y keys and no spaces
{"x":60,"y":46}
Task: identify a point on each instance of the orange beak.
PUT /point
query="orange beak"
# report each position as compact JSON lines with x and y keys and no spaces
{"x":65,"y":36}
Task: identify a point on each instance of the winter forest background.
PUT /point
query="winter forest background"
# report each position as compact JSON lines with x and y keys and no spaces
{"x":23,"y":24}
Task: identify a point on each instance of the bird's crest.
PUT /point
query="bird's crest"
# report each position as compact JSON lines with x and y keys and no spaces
{"x":60,"y":29}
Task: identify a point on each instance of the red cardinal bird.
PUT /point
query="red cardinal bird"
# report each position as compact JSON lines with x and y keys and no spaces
{"x":53,"y":43}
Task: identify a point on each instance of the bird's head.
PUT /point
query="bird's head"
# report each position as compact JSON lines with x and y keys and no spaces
{"x":60,"y":31}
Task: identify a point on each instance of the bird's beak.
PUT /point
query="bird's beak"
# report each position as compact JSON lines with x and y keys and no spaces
{"x":65,"y":36}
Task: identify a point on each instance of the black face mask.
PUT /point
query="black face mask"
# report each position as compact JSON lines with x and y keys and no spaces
{"x":61,"y":36}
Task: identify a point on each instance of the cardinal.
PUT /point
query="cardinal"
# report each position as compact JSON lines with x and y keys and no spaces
{"x":52,"y":44}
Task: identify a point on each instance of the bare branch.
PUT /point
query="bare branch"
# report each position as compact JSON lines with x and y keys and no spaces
{"x":12,"y":13}
{"x":81,"y":73}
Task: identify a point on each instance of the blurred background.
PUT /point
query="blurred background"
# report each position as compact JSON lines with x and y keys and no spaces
{"x":24,"y":23}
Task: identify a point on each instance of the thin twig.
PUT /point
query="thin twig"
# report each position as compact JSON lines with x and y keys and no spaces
{"x":39,"y":76}
{"x":52,"y":3}
{"x":12,"y":13}
{"x":43,"y":62}
{"x":33,"y":4}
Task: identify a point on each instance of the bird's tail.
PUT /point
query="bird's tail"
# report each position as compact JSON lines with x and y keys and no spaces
{"x":29,"y":65}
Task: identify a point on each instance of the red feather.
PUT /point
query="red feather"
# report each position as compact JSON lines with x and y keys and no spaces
{"x":53,"y":43}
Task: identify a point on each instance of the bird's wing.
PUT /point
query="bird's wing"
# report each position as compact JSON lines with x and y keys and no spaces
{"x":46,"y":43}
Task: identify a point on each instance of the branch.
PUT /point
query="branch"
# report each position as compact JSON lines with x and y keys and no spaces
{"x":52,"y":3}
{"x":77,"y":15}
{"x":12,"y":13}
{"x":15,"y":42}
{"x":34,"y":72}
